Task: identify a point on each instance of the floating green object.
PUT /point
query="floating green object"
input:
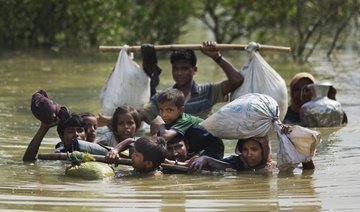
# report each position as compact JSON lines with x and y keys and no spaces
{"x":84,"y":166}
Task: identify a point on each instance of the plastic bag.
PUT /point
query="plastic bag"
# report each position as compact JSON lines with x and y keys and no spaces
{"x":260,"y":77}
{"x":128,"y":84}
{"x":296,"y":146}
{"x":250,"y":115}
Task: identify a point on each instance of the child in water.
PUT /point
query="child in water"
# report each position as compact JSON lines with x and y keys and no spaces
{"x":251,"y":154}
{"x":125,"y":122}
{"x":147,"y":155}
{"x":177,"y":123}
{"x":68,"y":129}
{"x":90,"y":126}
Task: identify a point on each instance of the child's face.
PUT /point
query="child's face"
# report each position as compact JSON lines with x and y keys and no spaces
{"x":252,"y":153}
{"x":177,"y":151}
{"x":169,"y":112}
{"x":72,"y":133}
{"x":138,"y":162}
{"x":126,"y":126}
{"x":90,"y":128}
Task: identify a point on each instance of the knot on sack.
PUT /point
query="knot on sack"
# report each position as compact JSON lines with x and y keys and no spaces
{"x":75,"y":157}
{"x":276,"y":116}
{"x":252,"y":46}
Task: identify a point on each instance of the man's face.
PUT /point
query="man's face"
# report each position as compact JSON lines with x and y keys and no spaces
{"x":177,"y":151}
{"x":169,"y":112}
{"x":183,"y":72}
{"x":72,"y":133}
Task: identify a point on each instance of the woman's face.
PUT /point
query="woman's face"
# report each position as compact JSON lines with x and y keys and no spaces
{"x":300,"y":93}
{"x":252,"y":153}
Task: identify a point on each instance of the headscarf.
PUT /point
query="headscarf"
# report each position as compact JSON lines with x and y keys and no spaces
{"x":266,"y":160}
{"x":294,"y":81}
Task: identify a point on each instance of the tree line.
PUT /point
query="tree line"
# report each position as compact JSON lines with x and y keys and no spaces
{"x":303,"y":25}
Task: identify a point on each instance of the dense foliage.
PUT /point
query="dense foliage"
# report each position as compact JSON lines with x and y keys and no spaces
{"x":79,"y":24}
{"x":301,"y":24}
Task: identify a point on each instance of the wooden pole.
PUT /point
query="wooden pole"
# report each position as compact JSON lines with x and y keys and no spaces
{"x":222,"y":47}
{"x":101,"y":158}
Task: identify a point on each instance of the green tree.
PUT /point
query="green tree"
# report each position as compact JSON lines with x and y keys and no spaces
{"x":82,"y":24}
{"x":157,"y":21}
{"x":305,"y":24}
{"x":320,"y":22}
{"x":230,"y":20}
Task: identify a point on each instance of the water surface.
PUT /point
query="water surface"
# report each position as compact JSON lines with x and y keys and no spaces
{"x":75,"y":80}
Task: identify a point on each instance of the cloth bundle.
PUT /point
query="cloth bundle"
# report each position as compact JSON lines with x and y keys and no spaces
{"x":250,"y":115}
{"x":296,"y":146}
{"x":45,"y":109}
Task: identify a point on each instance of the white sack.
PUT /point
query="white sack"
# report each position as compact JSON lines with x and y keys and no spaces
{"x":128,"y":84}
{"x":260,"y":77}
{"x":297,"y":146}
{"x":248,"y":116}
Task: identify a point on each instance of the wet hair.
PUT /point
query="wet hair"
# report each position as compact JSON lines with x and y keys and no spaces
{"x":123,"y":110}
{"x":178,"y":138}
{"x":85,"y":114}
{"x":171,"y":95}
{"x":183,"y":54}
{"x":73,"y":121}
{"x":152,"y":148}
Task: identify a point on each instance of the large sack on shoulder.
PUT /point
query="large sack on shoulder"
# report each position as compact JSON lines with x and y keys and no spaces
{"x":128,"y":84}
{"x":250,"y":115}
{"x":260,"y":77}
{"x":296,"y":146}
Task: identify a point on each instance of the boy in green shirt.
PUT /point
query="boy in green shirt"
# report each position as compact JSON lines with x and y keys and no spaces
{"x":200,"y":142}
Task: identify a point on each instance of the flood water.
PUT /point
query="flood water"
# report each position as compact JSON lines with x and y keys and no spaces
{"x":75,"y":80}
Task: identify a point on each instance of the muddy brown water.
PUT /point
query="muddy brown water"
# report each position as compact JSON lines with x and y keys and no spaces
{"x":76,"y":81}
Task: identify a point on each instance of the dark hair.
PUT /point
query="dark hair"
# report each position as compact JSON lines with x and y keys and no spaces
{"x":183,"y":54}
{"x":85,"y":114}
{"x":152,"y":148}
{"x":123,"y":110}
{"x":178,"y":138}
{"x":171,"y":95}
{"x":73,"y":121}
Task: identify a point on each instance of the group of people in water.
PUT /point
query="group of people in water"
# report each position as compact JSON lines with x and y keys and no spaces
{"x":174,"y":115}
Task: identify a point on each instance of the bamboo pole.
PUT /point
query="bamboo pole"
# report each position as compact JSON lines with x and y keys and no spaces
{"x":171,"y":47}
{"x":101,"y":158}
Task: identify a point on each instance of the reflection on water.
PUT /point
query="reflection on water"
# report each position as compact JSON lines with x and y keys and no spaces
{"x":75,"y":81}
